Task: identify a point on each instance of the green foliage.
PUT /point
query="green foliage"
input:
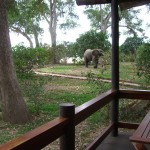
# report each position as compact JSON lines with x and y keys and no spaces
{"x":96,"y":82}
{"x":24,"y":18}
{"x":34,"y":91}
{"x":143,"y":61}
{"x":104,"y":61}
{"x":132,"y":23}
{"x":26,"y":58}
{"x":66,"y":12}
{"x":123,"y":57}
{"x":91,"y":40}
{"x":73,"y":50}
{"x":99,"y":17}
{"x":131,"y":44}
{"x":130,"y":110}
{"x":61,"y":51}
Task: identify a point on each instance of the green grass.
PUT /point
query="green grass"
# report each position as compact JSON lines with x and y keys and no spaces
{"x":127,"y":71}
{"x":59,"y":68}
{"x":43,"y":96}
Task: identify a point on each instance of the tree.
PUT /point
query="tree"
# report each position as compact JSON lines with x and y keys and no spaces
{"x":24,"y":18}
{"x":100,"y":19}
{"x":142,"y":61}
{"x":131,"y":44}
{"x":56,"y":10}
{"x":130,"y":21}
{"x":91,"y":40}
{"x":13,"y":105}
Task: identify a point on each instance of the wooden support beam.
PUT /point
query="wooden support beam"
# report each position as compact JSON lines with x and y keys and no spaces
{"x":94,"y":2}
{"x":115,"y":63}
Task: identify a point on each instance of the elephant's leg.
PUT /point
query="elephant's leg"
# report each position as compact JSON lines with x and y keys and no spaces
{"x":86,"y":62}
{"x":95,"y":63}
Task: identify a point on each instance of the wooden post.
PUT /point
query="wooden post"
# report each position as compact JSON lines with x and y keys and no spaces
{"x":115,"y":62}
{"x":67,"y":141}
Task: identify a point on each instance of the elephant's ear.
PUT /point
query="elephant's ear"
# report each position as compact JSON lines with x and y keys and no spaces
{"x":95,"y":52}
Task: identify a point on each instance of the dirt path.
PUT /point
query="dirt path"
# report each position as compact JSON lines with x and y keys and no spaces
{"x":85,"y":78}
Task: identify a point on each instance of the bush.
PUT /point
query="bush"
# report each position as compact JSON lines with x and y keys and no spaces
{"x":90,"y":40}
{"x":26,"y":58}
{"x":123,"y":57}
{"x":143,"y":60}
{"x":131,"y":44}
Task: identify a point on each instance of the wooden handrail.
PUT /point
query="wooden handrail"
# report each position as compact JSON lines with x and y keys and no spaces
{"x":85,"y":110}
{"x":135,"y":94}
{"x":39,"y":137}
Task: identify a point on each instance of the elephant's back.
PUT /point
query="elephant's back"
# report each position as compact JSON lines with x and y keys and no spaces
{"x":87,"y":52}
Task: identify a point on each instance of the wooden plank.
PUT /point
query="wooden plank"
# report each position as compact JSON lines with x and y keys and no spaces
{"x":147,"y":130}
{"x":141,"y":135}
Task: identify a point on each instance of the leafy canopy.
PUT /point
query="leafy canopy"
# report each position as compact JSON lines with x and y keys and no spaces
{"x":90,"y":40}
{"x":143,"y":61}
{"x":131,"y":44}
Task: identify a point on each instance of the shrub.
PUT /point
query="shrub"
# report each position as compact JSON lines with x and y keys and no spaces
{"x":33,"y":90}
{"x":131,"y":44}
{"x":91,"y":40}
{"x":143,"y":61}
{"x":26,"y":58}
{"x":123,"y":57}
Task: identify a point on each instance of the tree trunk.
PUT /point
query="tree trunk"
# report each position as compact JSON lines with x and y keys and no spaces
{"x":13,"y":106}
{"x":37,"y":44}
{"x":52,"y":28}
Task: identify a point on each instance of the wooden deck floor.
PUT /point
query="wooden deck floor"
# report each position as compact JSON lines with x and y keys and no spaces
{"x":118,"y":143}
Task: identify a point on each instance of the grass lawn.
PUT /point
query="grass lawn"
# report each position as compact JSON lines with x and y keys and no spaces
{"x":44,"y":94}
{"x":127,"y":71}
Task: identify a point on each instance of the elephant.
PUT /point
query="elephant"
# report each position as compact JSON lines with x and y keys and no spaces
{"x":92,"y":55}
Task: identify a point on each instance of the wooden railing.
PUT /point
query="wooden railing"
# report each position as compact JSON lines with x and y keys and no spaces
{"x":63,"y":126}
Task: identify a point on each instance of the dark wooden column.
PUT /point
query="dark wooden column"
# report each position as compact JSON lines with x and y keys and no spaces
{"x":67,"y":141}
{"x":115,"y":62}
